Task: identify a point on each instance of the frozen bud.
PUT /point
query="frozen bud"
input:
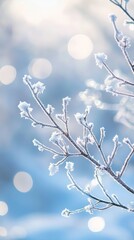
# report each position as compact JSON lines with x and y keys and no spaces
{"x":101,"y":168}
{"x":56,"y":138}
{"x":100,"y":59}
{"x":38,"y":88}
{"x":80,"y":118}
{"x":53,"y":169}
{"x":24,"y":115}
{"x":65,"y":101}
{"x":112,"y":17}
{"x":102,"y":135}
{"x":70,"y":186}
{"x":88,"y":209}
{"x":124,"y":42}
{"x":80,"y":141}
{"x":87,"y":110}
{"x":114,"y":196}
{"x":91,"y":139}
{"x":65,"y":148}
{"x":26,"y":79}
{"x":115,"y":138}
{"x":50,"y":109}
{"x":127,"y":141}
{"x":55,"y":156}
{"x":36,"y":143}
{"x":90,"y":125}
{"x":25,"y":109}
{"x":102,"y":132}
{"x":69,"y":166}
{"x":65,"y":213}
{"x":34,"y":124}
{"x":118,"y":35}
{"x":117,"y":174}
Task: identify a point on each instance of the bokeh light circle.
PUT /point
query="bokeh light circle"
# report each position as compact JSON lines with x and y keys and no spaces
{"x":7,"y":74}
{"x":80,"y":46}
{"x":96,"y":224}
{"x":23,"y":182}
{"x":40,"y":68}
{"x":3,"y":208}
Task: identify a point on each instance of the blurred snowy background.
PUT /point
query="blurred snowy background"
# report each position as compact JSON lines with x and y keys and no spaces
{"x":54,"y":41}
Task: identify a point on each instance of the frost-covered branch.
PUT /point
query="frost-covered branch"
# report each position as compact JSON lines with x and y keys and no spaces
{"x":64,"y":146}
{"x":63,"y":141}
{"x":95,"y":203}
{"x":123,"y":5}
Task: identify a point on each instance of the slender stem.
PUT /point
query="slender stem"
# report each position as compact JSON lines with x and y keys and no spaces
{"x":126,"y":162}
{"x":50,"y":149}
{"x":119,"y":180}
{"x":127,"y":13}
{"x":40,"y":123}
{"x":103,"y":208}
{"x":128,"y":59}
{"x":92,"y":197}
{"x":123,"y":93}
{"x":98,"y":146}
{"x":118,"y":78}
{"x":113,"y":154}
{"x":122,"y":8}
{"x":66,"y":120}
{"x":114,"y":2}
{"x":61,"y":161}
{"x":102,"y":187}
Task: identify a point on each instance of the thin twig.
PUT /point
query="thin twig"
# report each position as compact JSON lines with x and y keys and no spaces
{"x":114,"y":76}
{"x":128,"y":59}
{"x":122,"y":8}
{"x":91,"y":196}
{"x":126,"y":163}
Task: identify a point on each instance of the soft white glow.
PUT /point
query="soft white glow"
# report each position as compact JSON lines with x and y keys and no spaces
{"x":3,"y":231}
{"x":80,"y":46}
{"x":3,"y":208}
{"x":40,"y":68}
{"x":7,"y":74}
{"x":93,"y":183}
{"x":131,"y":27}
{"x":33,"y":11}
{"x":96,"y":224}
{"x":18,"y":232}
{"x":91,"y":83}
{"x":88,"y":97}
{"x":23,"y":181}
